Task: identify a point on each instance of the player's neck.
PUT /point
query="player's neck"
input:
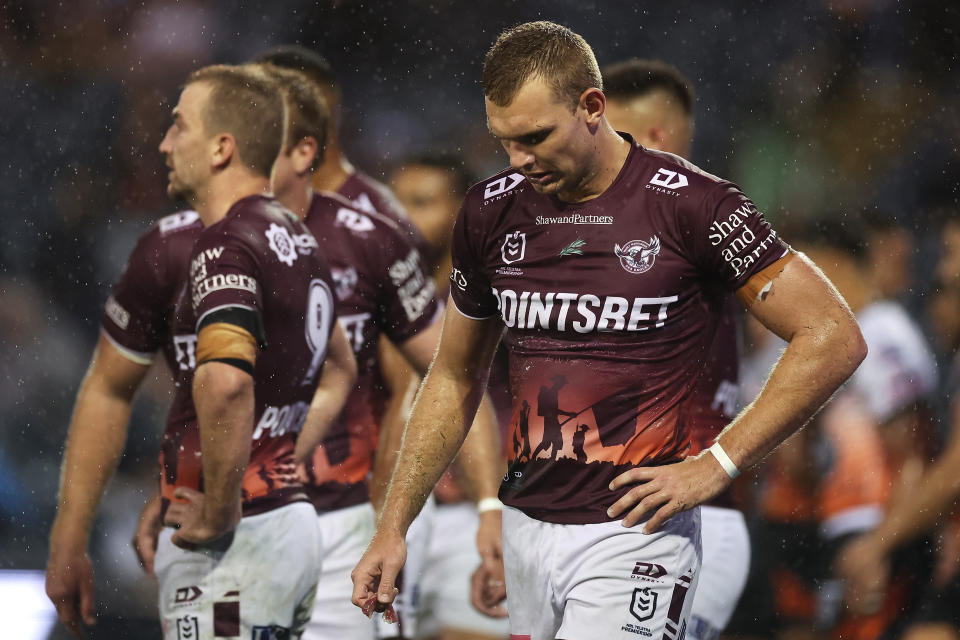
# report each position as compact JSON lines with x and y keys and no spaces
{"x":334,"y":170}
{"x":299,"y":199}
{"x":611,"y":154}
{"x":225,"y":191}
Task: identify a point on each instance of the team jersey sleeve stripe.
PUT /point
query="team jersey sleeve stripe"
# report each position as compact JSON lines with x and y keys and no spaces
{"x":467,"y":315}
{"x":136,"y":357}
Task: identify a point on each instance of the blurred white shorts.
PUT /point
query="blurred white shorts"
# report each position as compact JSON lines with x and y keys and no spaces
{"x":723,"y":575}
{"x":575,"y":581}
{"x":261,"y":586}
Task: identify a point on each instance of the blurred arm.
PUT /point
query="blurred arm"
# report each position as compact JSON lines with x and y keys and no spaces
{"x":336,"y":383}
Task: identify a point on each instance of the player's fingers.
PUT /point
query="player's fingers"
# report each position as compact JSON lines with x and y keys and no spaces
{"x":175,"y":513}
{"x":663,"y":514}
{"x":387,"y":590}
{"x":633,"y":476}
{"x":644,"y":508}
{"x":188,"y":494}
{"x":632,"y":498}
{"x":88,"y":603}
{"x":364,"y":582}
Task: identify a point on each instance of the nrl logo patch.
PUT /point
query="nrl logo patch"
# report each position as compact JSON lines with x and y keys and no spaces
{"x":643,"y":604}
{"x":514,"y":247}
{"x":638,"y":256}
{"x":282,"y":244}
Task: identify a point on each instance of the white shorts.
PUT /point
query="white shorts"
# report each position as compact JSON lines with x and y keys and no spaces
{"x":407,"y":603}
{"x":603,"y":580}
{"x":261,"y":586}
{"x":451,"y":560}
{"x":726,"y":563}
{"x":344,"y":536}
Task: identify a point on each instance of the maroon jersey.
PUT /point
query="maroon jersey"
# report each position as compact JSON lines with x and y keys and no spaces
{"x":139,"y":312}
{"x":608,"y":317}
{"x":371,"y":196}
{"x":382,"y":287}
{"x":261,"y":268}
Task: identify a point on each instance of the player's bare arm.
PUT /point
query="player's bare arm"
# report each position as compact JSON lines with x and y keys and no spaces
{"x":223,"y":395}
{"x":824,"y":348}
{"x":336,"y":383}
{"x":98,"y":431}
{"x":443,"y":411}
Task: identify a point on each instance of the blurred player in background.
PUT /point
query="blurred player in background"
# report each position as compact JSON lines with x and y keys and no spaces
{"x":866,"y":564}
{"x":431,"y":187}
{"x":653,"y":102}
{"x":384,"y":290}
{"x":615,"y":304}
{"x":222,"y":175}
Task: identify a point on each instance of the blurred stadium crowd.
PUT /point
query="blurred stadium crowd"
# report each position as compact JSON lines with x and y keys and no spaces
{"x":840,"y":119}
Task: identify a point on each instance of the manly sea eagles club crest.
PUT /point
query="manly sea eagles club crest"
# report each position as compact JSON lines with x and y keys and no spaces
{"x":513,"y":247}
{"x":637,"y":256}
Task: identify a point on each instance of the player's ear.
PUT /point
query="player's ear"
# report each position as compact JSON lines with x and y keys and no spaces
{"x":593,"y":104}
{"x":224,"y":148}
{"x":304,"y":154}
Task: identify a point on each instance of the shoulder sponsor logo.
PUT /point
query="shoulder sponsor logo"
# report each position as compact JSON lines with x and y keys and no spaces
{"x":514,"y":247}
{"x":575,"y":248}
{"x":414,"y":289}
{"x":669,"y":179}
{"x":457,"y":278}
{"x":282,"y":244}
{"x":643,"y":604}
{"x":638,"y":256}
{"x":178,"y":221}
{"x":502,"y":185}
{"x":220,"y":282}
{"x":353,"y":220}
{"x":119,"y":315}
{"x":737,"y":242}
{"x":582,"y":313}
{"x":574,"y":218}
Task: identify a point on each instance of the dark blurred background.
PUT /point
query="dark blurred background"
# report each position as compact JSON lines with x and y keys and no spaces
{"x":814,"y":108}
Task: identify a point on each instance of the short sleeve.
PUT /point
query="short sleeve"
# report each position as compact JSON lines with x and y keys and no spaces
{"x":470,"y":286}
{"x":730,"y":239}
{"x":134,"y":317}
{"x":409,"y":303}
{"x":224,"y":274}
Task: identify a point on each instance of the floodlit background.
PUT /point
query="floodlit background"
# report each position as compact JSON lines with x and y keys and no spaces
{"x":814,"y":109}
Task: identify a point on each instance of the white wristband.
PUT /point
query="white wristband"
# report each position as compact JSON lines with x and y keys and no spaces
{"x":724,"y":460}
{"x":489,"y":504}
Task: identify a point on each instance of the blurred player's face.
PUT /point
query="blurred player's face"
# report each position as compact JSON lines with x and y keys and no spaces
{"x":653,"y":120}
{"x":426,"y":194}
{"x":186,"y":144}
{"x":548,"y":143}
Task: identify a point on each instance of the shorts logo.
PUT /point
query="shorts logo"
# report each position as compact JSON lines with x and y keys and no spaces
{"x":638,"y":256}
{"x":643,"y":604}
{"x":187,"y":594}
{"x":188,"y":628}
{"x":501,"y":186}
{"x":649,"y":570}
{"x":514,"y":247}
{"x":273,"y":632}
{"x":669,"y":179}
{"x":282,"y":244}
